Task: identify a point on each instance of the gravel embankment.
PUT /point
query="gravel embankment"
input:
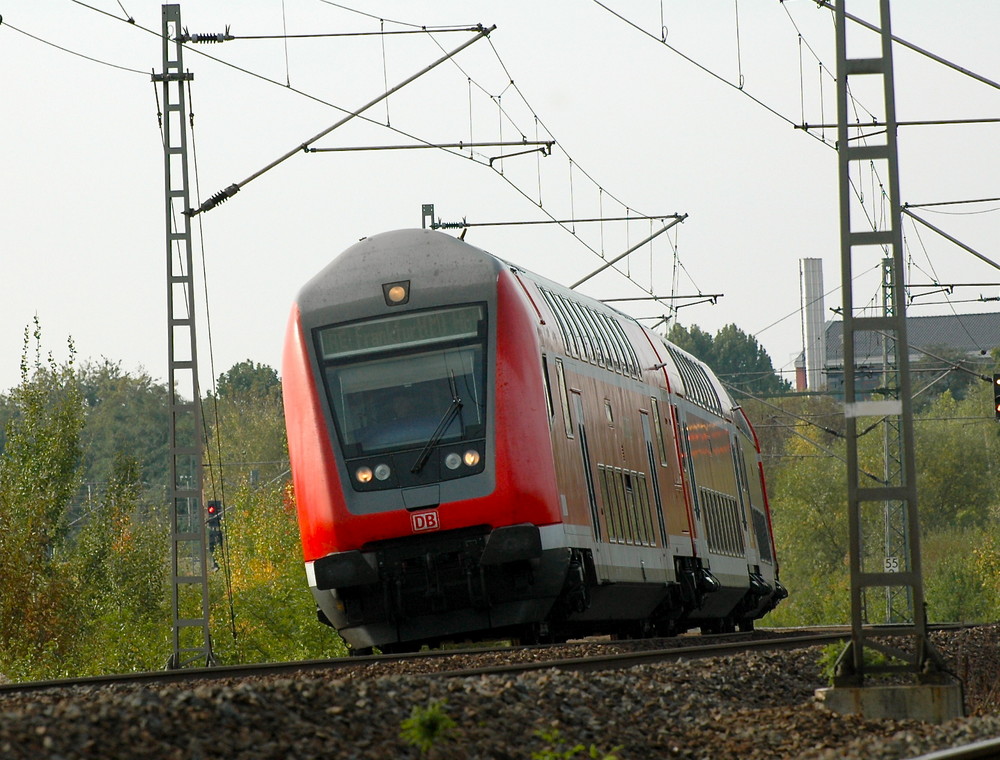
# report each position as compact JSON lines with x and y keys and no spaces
{"x":751,"y":706}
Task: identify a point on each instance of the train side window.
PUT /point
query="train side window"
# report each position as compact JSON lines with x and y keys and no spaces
{"x":577,"y":346}
{"x":628,"y":507}
{"x":630,"y":365}
{"x":617,"y":505}
{"x":564,"y":398}
{"x":602,"y":477}
{"x":645,"y":513}
{"x":548,"y":389}
{"x":617,"y":353}
{"x":550,"y":299}
{"x":572,"y":342}
{"x":661,"y":448}
{"x":602,"y":331}
{"x":596,"y":337}
{"x":573,"y":310}
{"x":634,"y":533}
{"x":611,"y":511}
{"x":633,"y":361}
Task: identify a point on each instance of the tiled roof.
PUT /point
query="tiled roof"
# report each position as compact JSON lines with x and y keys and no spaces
{"x":969,"y":333}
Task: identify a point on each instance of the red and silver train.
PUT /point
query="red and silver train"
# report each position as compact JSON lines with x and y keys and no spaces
{"x":478,"y":452}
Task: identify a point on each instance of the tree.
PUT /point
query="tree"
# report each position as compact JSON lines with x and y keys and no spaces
{"x":246,"y":382}
{"x":39,"y":472}
{"x":121,"y":572}
{"x":736,"y":357}
{"x":956,"y":461}
{"x":809,"y":514}
{"x":125,"y":414}
{"x":695,"y":341}
{"x":263,"y":579}
{"x":950,"y":370}
{"x":957,"y":446}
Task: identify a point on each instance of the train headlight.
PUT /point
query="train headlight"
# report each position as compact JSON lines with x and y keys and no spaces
{"x":382,"y":472}
{"x":396,"y":293}
{"x":453,"y":461}
{"x":471,"y":458}
{"x":363,"y":474}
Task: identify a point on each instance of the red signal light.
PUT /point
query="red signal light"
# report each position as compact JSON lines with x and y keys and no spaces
{"x":996,"y":395}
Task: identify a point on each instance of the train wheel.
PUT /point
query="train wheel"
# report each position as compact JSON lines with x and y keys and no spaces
{"x":666,"y":628}
{"x":403,"y":647}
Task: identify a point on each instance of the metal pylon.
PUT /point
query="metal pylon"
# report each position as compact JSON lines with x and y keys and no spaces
{"x":871,"y":569}
{"x":189,"y":566}
{"x":898,"y":599}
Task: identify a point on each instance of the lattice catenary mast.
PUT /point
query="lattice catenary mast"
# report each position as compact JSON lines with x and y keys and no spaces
{"x":192,"y":643}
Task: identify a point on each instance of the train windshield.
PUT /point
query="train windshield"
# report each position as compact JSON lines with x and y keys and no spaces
{"x":393,"y":382}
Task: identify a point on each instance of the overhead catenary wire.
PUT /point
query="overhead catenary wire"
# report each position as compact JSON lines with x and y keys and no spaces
{"x":572,"y":164}
{"x":873,"y":121}
{"x":230,"y":191}
{"x":611,"y":262}
{"x":933,"y":206}
{"x":702,"y":67}
{"x":6,"y":25}
{"x":959,"y":243}
{"x":285,"y":36}
{"x":522,"y":222}
{"x":223,"y":195}
{"x":284,"y":29}
{"x":418,"y":27}
{"x":216,"y":488}
{"x":938,"y":59}
{"x":268,"y":80}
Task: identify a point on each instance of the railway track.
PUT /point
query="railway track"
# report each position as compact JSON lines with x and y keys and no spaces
{"x":757,"y":705}
{"x":588,"y":656}
{"x":981,"y":750}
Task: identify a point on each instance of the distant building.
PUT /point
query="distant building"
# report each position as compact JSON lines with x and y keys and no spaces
{"x":820,"y":366}
{"x":973,"y":335}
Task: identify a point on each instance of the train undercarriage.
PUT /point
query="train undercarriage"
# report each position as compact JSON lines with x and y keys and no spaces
{"x":475,"y":584}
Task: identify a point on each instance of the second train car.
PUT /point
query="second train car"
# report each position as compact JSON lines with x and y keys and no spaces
{"x":478,"y":452}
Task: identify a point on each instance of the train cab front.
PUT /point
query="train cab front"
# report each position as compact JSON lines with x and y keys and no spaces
{"x":411,"y":538}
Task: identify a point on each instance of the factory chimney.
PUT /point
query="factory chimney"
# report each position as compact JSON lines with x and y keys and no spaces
{"x":813,"y":322}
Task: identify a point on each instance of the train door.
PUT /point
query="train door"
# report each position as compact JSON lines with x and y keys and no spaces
{"x":689,"y":471}
{"x":653,"y":475}
{"x":581,"y":426}
{"x":742,"y":488}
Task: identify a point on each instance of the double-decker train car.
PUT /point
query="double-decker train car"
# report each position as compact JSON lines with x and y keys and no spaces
{"x":478,"y":452}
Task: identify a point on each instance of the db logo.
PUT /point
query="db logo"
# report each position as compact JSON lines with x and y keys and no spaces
{"x":424,"y":521}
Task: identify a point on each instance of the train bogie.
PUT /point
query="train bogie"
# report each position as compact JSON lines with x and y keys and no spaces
{"x":478,"y":452}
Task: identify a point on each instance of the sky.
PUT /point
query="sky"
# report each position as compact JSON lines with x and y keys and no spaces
{"x":642,"y":127}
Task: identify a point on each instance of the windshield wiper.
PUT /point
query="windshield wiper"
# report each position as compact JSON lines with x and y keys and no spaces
{"x":449,"y":415}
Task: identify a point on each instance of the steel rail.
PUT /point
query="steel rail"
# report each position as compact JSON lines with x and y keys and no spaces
{"x":981,"y":750}
{"x":591,"y":663}
{"x":725,"y":644}
{"x":622,"y":660}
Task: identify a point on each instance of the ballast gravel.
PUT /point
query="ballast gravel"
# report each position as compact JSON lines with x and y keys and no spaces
{"x":746,"y":706}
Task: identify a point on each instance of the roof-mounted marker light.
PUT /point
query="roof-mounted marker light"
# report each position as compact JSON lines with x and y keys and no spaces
{"x":396,"y":293}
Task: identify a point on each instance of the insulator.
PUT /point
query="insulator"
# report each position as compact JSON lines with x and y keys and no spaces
{"x":218,"y":37}
{"x":220,"y":197}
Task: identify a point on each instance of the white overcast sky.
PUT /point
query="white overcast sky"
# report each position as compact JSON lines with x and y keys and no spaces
{"x":637,"y":127}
